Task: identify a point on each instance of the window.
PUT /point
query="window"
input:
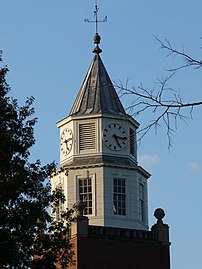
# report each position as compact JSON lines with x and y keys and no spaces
{"x":132,"y":141}
{"x":141,"y":202}
{"x":85,"y":195}
{"x":119,"y":197}
{"x":87,"y":136}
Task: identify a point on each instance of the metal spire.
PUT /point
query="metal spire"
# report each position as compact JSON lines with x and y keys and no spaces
{"x":97,"y":37}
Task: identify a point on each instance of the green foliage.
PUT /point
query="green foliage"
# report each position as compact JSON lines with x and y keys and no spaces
{"x":25,"y":190}
{"x":53,"y":246}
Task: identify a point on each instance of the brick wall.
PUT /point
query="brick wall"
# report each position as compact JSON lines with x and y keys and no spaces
{"x":97,"y":253}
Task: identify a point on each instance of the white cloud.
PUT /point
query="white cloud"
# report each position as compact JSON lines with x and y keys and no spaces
{"x":148,"y":160}
{"x":194,"y":166}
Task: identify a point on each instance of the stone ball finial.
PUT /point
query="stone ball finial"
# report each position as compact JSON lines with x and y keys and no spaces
{"x":97,"y":39}
{"x":79,"y":207}
{"x":159,"y":214}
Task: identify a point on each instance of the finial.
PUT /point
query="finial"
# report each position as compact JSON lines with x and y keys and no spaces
{"x":159,"y":214}
{"x":97,"y":37}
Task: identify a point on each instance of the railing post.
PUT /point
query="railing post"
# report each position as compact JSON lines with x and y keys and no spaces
{"x":79,"y":226}
{"x":160,"y":230}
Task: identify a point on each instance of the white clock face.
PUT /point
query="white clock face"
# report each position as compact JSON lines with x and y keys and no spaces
{"x":66,"y":141}
{"x":115,"y":137}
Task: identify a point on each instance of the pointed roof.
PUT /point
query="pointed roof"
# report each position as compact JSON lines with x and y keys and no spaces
{"x":97,"y":93}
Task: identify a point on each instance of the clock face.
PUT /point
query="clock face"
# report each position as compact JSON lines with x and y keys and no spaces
{"x":114,"y":136}
{"x":66,"y":141}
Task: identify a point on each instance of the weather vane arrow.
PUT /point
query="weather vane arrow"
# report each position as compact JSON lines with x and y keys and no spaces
{"x":96,"y":21}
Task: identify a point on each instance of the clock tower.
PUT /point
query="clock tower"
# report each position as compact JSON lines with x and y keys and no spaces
{"x":98,"y":155}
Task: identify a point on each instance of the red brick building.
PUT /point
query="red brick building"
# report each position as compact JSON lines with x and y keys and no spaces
{"x":115,"y":248}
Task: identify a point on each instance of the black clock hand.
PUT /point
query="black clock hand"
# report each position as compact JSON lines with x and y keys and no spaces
{"x":116,"y":138}
{"x":120,"y":137}
{"x":66,"y":143}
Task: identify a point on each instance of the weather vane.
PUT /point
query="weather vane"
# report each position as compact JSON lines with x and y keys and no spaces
{"x":96,"y":21}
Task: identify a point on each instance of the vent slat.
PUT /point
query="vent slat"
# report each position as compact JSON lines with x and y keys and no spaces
{"x":87,"y":136}
{"x":132,"y":142}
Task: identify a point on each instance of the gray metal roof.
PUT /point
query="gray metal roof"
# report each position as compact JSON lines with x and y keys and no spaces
{"x":97,"y":93}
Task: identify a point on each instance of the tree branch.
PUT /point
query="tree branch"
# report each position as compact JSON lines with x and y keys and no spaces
{"x":165,"y":102}
{"x":189,"y":60}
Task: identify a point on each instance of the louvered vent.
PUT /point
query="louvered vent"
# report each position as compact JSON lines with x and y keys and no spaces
{"x":87,"y":136}
{"x":132,"y":142}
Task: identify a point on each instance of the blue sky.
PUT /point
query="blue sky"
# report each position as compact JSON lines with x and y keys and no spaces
{"x":48,"y":49}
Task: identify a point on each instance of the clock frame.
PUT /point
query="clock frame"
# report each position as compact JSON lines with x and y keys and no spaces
{"x":66,"y":141}
{"x":115,"y":137}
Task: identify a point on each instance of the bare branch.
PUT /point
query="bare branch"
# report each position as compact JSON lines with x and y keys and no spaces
{"x":189,"y":60}
{"x":163,"y":101}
